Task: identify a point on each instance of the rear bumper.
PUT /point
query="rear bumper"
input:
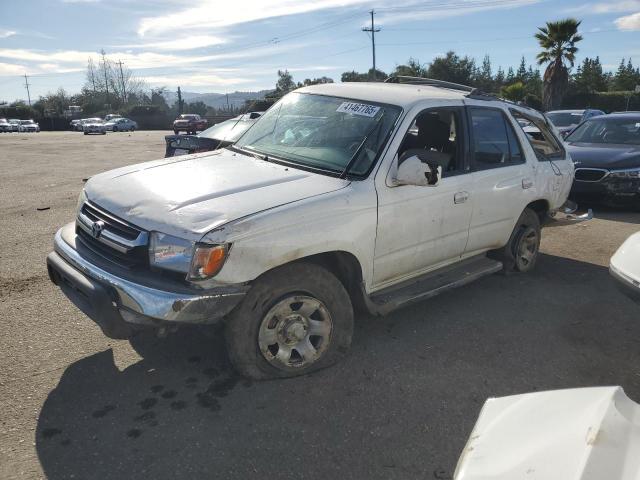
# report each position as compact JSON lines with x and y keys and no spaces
{"x":627,"y":285}
{"x":118,"y":304}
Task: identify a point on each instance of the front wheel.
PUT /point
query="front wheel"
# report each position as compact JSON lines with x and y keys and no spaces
{"x":115,"y":129}
{"x":295,"y":320}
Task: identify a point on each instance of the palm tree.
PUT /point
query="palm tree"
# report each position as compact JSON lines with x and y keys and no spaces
{"x":558,"y":40}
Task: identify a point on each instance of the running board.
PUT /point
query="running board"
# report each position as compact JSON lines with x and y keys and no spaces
{"x":431,"y":284}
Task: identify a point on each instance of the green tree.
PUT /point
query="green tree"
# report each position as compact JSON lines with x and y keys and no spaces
{"x":515,"y":92}
{"x":626,"y":77}
{"x":315,"y":81}
{"x":354,"y":76}
{"x":413,"y":68}
{"x":285,"y":83}
{"x":484,"y":76}
{"x":453,"y":68}
{"x":589,"y":77}
{"x":198,"y":107}
{"x":521,"y":74}
{"x":558,"y":41}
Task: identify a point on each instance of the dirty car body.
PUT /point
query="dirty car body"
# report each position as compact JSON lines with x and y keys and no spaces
{"x":339,"y":195}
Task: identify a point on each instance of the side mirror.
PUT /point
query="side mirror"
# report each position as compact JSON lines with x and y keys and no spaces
{"x":414,"y":171}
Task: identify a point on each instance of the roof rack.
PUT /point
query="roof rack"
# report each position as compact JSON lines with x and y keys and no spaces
{"x":428,"y":81}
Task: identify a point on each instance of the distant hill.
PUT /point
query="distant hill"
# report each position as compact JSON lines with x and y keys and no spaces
{"x":216,"y":100}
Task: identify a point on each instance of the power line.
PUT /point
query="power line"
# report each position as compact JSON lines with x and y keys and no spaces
{"x":373,"y":29}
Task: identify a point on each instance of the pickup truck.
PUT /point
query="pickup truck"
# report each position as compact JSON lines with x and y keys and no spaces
{"x":190,"y":123}
{"x":340,"y":197}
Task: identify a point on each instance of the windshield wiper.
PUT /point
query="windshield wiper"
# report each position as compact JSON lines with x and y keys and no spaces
{"x":248,"y":151}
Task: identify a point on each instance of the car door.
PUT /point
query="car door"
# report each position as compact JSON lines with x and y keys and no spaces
{"x":423,"y":227}
{"x":502,"y":178}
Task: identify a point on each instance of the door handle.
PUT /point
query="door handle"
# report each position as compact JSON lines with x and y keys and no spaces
{"x":460,"y":197}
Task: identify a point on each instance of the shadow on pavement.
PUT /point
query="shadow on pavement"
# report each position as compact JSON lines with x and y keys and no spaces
{"x":400,"y":406}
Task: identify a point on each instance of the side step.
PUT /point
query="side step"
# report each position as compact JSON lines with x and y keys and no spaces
{"x":431,"y":284}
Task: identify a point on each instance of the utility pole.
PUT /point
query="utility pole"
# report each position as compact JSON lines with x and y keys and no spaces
{"x":179,"y":101}
{"x":124,"y":89}
{"x":106,"y":82}
{"x":373,"y":31}
{"x":26,"y":84}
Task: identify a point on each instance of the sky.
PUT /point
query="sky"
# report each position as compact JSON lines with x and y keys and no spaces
{"x":225,"y":46}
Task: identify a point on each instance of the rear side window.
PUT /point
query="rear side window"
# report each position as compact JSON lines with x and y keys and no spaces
{"x":542,"y":140}
{"x":494,"y":142}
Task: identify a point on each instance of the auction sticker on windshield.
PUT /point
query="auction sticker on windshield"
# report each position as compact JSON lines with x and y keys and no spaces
{"x":358,"y":109}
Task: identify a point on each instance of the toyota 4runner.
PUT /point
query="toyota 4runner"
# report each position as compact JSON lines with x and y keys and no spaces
{"x":367,"y":195}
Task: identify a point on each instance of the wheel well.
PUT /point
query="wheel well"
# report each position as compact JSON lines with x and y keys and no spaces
{"x":346,"y":267}
{"x":541,"y":207}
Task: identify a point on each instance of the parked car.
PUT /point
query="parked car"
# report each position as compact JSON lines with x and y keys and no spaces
{"x":625,"y":267}
{"x":112,"y":116}
{"x":220,"y":135}
{"x":121,"y":125}
{"x":567,"y":120}
{"x":189,"y":123}
{"x":28,"y":126}
{"x":5,"y":126}
{"x":84,"y":121}
{"x":15,"y":124}
{"x":344,"y":194}
{"x":582,"y":434}
{"x":96,"y":126}
{"x":606,"y":153}
{"x":73,"y":124}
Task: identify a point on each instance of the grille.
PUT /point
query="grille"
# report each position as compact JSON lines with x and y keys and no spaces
{"x":590,"y":174}
{"x":118,"y":241}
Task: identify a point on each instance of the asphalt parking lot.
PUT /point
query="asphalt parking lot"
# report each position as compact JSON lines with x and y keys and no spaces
{"x":74,"y":404}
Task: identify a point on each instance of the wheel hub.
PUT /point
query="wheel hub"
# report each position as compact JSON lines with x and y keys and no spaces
{"x":294,"y":329}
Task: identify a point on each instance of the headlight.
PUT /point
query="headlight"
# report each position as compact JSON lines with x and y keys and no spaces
{"x":81,"y":199}
{"x":169,"y":252}
{"x":198,"y":260}
{"x":627,"y":173}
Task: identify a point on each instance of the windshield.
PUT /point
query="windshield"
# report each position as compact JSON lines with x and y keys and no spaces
{"x":564,"y":119}
{"x":608,"y":130}
{"x":188,"y":117}
{"x":328,"y":133}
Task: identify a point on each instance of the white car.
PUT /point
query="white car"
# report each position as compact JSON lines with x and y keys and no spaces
{"x":121,"y":125}
{"x":579,"y":434}
{"x":15,"y":124}
{"x":28,"y":126}
{"x":111,"y":116}
{"x":368,"y":194}
{"x":95,"y":127}
{"x":625,"y":267}
{"x":79,"y":126}
{"x":5,"y":126}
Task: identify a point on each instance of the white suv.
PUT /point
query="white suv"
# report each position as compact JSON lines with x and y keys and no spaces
{"x":369,"y":195}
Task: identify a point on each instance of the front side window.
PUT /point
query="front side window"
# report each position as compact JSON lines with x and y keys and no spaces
{"x":621,"y":131}
{"x":494,"y":141}
{"x":437,"y":135}
{"x":337,"y":135}
{"x":542,"y":140}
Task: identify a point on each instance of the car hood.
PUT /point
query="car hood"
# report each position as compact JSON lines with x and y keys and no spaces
{"x":607,"y":156}
{"x":585,"y":433}
{"x":190,"y":195}
{"x":626,"y":260}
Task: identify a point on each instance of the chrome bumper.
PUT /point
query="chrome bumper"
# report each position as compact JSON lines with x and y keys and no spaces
{"x":137,"y":303}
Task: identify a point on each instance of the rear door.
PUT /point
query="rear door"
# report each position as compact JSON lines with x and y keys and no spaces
{"x":502,"y":179}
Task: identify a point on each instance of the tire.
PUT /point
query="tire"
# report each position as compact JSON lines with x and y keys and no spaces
{"x":115,"y":129}
{"x":86,"y":133}
{"x":520,"y":254}
{"x":176,"y":132}
{"x":306,"y":297}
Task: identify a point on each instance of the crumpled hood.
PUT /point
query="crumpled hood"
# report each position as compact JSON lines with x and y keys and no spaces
{"x":188,"y":196}
{"x":607,"y":156}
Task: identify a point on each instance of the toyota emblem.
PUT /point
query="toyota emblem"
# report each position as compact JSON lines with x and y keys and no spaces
{"x":96,"y":228}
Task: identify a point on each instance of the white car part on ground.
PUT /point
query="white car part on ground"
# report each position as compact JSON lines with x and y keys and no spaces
{"x":585,"y":433}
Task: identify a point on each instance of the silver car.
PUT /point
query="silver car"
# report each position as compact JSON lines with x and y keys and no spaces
{"x":121,"y":125}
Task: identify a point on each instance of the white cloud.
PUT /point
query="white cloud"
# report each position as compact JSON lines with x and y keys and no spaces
{"x":217,"y":14}
{"x":605,"y":7}
{"x":180,"y":44}
{"x":423,"y":12}
{"x":7,"y":33}
{"x":628,"y":23}
{"x":194,"y":80}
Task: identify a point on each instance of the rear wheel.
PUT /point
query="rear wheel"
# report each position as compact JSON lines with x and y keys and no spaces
{"x":520,"y":254}
{"x":295,"y":320}
{"x":115,"y":129}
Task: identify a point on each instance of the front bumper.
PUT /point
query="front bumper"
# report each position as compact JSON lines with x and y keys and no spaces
{"x":609,"y":189}
{"x":627,"y":285}
{"x":118,"y":304}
